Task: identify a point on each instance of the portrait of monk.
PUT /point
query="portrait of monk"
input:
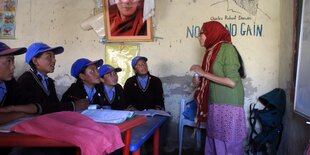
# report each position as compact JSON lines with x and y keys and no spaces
{"x":126,"y":18}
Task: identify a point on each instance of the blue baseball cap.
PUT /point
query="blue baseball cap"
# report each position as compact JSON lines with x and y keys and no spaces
{"x":104,"y":69}
{"x":39,"y":47}
{"x":6,"y":50}
{"x":136,"y":59}
{"x":82,"y":63}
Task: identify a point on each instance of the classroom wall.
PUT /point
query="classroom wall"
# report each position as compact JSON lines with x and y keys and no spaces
{"x":262,"y":35}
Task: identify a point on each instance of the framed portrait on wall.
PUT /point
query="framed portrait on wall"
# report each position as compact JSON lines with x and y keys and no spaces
{"x":124,"y":21}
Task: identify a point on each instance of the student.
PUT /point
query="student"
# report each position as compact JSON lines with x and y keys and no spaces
{"x":12,"y":97}
{"x":86,"y":86}
{"x":143,"y":90}
{"x":126,"y":18}
{"x":41,"y":59}
{"x":113,"y":92}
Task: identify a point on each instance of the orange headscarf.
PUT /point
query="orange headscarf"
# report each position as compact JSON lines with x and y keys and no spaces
{"x":215,"y":34}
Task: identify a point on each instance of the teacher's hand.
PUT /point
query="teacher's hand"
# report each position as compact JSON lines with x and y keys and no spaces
{"x":197,"y":69}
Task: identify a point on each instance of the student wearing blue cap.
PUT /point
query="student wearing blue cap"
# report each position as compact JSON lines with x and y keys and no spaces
{"x":143,"y":90}
{"x":13,"y":99}
{"x":113,"y":92}
{"x":86,"y":86}
{"x":41,"y":59}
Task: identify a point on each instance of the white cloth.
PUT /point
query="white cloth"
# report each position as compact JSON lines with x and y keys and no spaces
{"x":148,"y":9}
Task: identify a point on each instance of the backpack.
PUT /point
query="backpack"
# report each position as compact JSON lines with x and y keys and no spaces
{"x":270,"y":119}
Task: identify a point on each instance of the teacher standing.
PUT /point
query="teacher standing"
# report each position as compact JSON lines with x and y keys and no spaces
{"x":219,"y":93}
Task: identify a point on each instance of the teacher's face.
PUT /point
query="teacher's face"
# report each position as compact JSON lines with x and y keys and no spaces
{"x":202,"y":38}
{"x":127,"y":8}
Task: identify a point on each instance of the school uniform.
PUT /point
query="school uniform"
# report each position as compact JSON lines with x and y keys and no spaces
{"x":10,"y":92}
{"x":149,"y":97}
{"x":77,"y":91}
{"x":46,"y":97}
{"x":115,"y":98}
{"x":13,"y":94}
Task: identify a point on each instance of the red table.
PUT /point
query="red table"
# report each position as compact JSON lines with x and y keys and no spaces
{"x":22,"y":140}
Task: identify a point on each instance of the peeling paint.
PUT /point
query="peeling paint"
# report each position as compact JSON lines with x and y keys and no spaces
{"x":249,"y":89}
{"x":177,"y":85}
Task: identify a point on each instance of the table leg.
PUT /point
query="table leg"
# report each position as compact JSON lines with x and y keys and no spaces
{"x":78,"y":151}
{"x":127,"y":136}
{"x":137,"y":152}
{"x":156,"y":142}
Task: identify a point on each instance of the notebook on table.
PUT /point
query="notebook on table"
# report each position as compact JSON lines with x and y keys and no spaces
{"x":107,"y":115}
{"x":152,"y":112}
{"x":7,"y":126}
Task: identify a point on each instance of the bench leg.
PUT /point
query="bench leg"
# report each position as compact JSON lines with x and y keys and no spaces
{"x":156,"y":142}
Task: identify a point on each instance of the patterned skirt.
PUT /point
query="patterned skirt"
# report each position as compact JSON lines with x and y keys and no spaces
{"x":226,"y":123}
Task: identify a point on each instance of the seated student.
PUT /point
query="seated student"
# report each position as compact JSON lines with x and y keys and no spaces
{"x":113,"y":92}
{"x":86,"y":73}
{"x":41,"y":59}
{"x":143,"y":90}
{"x":12,"y":98}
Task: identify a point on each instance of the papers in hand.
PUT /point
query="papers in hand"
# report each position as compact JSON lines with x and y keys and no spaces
{"x":152,"y":112}
{"x":108,"y":116}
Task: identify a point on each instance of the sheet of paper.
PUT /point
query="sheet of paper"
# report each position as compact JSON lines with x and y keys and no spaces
{"x":152,"y":112}
{"x":7,"y":126}
{"x":108,"y":116}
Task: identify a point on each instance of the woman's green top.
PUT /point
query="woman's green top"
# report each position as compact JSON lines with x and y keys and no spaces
{"x":226,"y":64}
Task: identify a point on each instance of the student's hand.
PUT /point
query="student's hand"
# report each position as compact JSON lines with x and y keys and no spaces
{"x":81,"y":104}
{"x":131,"y":108}
{"x":10,"y":108}
{"x":27,"y":108}
{"x":6,"y":117}
{"x":158,"y":107}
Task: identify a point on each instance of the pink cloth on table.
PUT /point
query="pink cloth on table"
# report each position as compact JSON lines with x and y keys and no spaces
{"x":72,"y":127}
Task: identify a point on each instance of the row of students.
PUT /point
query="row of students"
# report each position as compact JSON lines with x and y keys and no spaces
{"x":141,"y":91}
{"x":93,"y":86}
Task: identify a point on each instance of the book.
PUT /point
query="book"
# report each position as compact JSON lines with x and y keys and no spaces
{"x":107,"y":115}
{"x":6,"y":127}
{"x":152,"y":112}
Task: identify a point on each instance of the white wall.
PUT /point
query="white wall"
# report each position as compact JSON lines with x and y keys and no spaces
{"x":57,"y":22}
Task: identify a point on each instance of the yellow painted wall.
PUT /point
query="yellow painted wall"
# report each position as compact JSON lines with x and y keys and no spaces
{"x":57,"y":22}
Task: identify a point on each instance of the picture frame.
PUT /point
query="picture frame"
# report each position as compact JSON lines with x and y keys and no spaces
{"x":132,"y":29}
